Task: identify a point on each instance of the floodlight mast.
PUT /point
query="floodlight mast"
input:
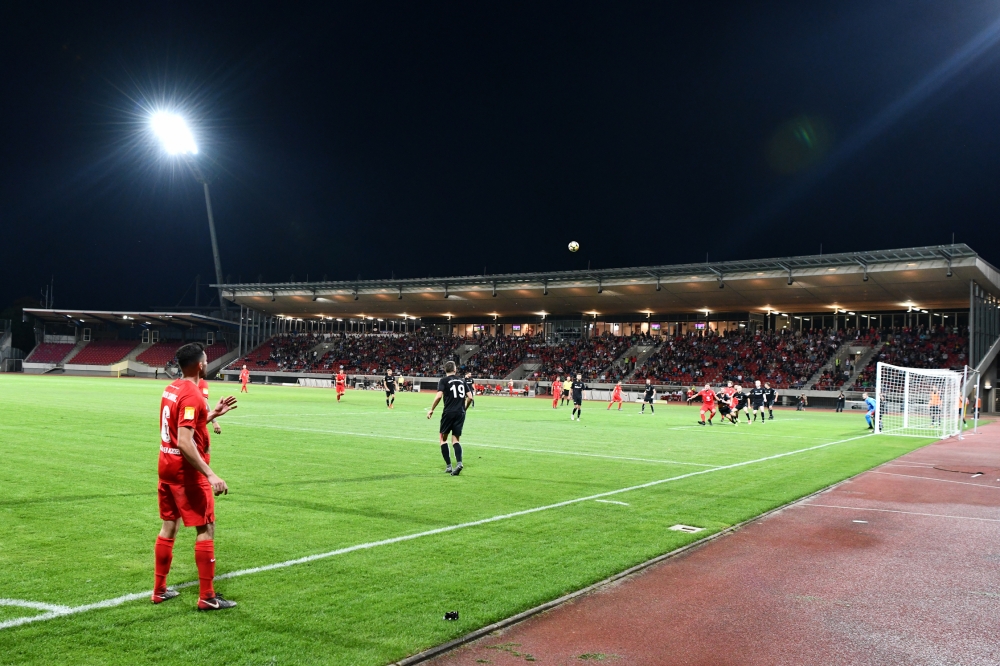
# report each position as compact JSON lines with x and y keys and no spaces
{"x":176,"y":138}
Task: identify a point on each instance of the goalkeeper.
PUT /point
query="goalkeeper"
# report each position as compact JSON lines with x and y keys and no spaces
{"x":870,"y":414}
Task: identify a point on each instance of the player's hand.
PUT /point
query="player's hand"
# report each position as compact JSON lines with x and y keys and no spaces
{"x":219,"y":486}
{"x":430,"y":412}
{"x":225,"y":405}
{"x":217,"y":428}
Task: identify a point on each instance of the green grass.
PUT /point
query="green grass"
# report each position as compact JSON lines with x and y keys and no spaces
{"x":78,"y":514}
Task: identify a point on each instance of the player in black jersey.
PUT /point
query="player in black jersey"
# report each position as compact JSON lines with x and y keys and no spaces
{"x":757,"y":398}
{"x":577,"y":387}
{"x":648,"y":397}
{"x":725,"y":409}
{"x":470,"y":391}
{"x":770,"y":395}
{"x":390,"y":388}
{"x":451,"y":389}
{"x":741,"y":404}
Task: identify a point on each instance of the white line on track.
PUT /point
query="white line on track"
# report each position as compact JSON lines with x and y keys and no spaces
{"x":908,"y":513}
{"x":917,"y":465}
{"x":474,"y":444}
{"x":928,"y":478}
{"x":118,"y":601}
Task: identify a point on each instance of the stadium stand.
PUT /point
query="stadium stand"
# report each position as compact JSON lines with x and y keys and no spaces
{"x":288,"y":352}
{"x":785,"y":358}
{"x":498,"y":357}
{"x":412,"y":354}
{"x":50,"y":352}
{"x":103,"y":352}
{"x":592,"y":357}
{"x":938,"y":347}
{"x":159,"y":354}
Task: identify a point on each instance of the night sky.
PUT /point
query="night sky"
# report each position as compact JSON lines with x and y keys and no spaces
{"x":411,"y":139}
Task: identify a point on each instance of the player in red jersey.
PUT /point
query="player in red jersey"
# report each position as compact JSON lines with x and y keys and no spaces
{"x":244,"y":378}
{"x":510,"y":388}
{"x":203,"y":387}
{"x":556,"y":393}
{"x":340,"y":381}
{"x":187,"y":484}
{"x":707,"y":396}
{"x":616,"y":396}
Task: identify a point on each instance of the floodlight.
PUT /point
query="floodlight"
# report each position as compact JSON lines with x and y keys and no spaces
{"x":173,"y":133}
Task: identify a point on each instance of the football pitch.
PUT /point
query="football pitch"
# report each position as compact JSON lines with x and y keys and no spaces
{"x":342,"y":539}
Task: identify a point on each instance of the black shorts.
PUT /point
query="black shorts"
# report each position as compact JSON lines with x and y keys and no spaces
{"x":390,"y":392}
{"x":452,"y":423}
{"x":758,"y":405}
{"x":770,"y":404}
{"x":565,"y":393}
{"x":577,"y":401}
{"x":740,"y":406}
{"x":724,"y":408}
{"x":647,"y":400}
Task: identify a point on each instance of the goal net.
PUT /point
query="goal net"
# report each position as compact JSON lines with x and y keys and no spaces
{"x":918,"y":402}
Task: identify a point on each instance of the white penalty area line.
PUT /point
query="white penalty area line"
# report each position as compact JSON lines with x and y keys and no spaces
{"x":118,"y":601}
{"x":612,"y":502}
{"x":474,"y":444}
{"x":907,"y":513}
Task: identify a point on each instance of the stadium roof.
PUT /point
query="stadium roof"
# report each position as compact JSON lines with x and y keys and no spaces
{"x":79,"y":317}
{"x":934,"y":278}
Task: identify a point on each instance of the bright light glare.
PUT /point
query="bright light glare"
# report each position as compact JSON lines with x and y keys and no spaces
{"x":173,"y":133}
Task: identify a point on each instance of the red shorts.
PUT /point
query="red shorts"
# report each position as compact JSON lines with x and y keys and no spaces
{"x":708,"y":408}
{"x":192,"y":503}
{"x":340,"y":388}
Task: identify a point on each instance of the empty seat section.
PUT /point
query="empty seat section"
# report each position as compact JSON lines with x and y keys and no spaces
{"x":50,"y":352}
{"x":103,"y":352}
{"x":159,"y":354}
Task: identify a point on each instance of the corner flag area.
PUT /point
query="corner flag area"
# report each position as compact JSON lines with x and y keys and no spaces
{"x":341,"y":529}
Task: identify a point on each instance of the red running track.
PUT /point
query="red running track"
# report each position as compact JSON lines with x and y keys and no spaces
{"x":918,"y":582}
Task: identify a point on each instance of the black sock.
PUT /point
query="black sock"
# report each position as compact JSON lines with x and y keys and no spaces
{"x":445,"y":454}
{"x":392,"y":400}
{"x":770,"y":413}
{"x":387,"y":402}
{"x":651,"y":410}
{"x":458,"y":452}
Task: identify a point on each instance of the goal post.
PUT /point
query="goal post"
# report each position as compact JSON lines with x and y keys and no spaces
{"x":918,"y":402}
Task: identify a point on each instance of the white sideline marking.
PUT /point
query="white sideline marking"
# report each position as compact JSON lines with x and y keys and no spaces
{"x":612,"y":502}
{"x":36,"y":605}
{"x":908,"y":513}
{"x":928,"y":478}
{"x":467,"y":443}
{"x":118,"y":601}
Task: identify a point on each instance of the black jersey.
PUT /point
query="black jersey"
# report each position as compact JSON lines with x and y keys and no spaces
{"x":578,"y":388}
{"x":741,"y":400}
{"x":757,"y":396}
{"x":454,"y":392}
{"x":390,"y":383}
{"x":649,"y":394}
{"x":770,"y":394}
{"x":470,"y":387}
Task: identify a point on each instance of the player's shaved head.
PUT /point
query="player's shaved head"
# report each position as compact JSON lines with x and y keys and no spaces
{"x":190,"y":355}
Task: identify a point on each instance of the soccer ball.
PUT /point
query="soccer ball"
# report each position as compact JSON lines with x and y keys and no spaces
{"x":574,"y":246}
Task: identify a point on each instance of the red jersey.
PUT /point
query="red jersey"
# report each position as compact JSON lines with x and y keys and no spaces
{"x":244,"y":376}
{"x":203,"y":387}
{"x":341,"y":379}
{"x":707,"y":397}
{"x":556,"y":387}
{"x":182,"y":406}
{"x":616,"y":395}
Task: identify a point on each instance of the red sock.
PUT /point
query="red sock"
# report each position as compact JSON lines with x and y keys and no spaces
{"x":164,"y":554}
{"x":204,"y":557}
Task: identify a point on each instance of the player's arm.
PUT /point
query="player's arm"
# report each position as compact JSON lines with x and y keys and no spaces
{"x":437,"y":399}
{"x":227,"y":404}
{"x":185,"y":442}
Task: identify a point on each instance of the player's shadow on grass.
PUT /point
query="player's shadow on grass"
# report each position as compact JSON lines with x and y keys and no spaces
{"x":30,"y":501}
{"x":293,"y":503}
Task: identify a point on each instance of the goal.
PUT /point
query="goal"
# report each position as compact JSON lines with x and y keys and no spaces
{"x":918,"y":402}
